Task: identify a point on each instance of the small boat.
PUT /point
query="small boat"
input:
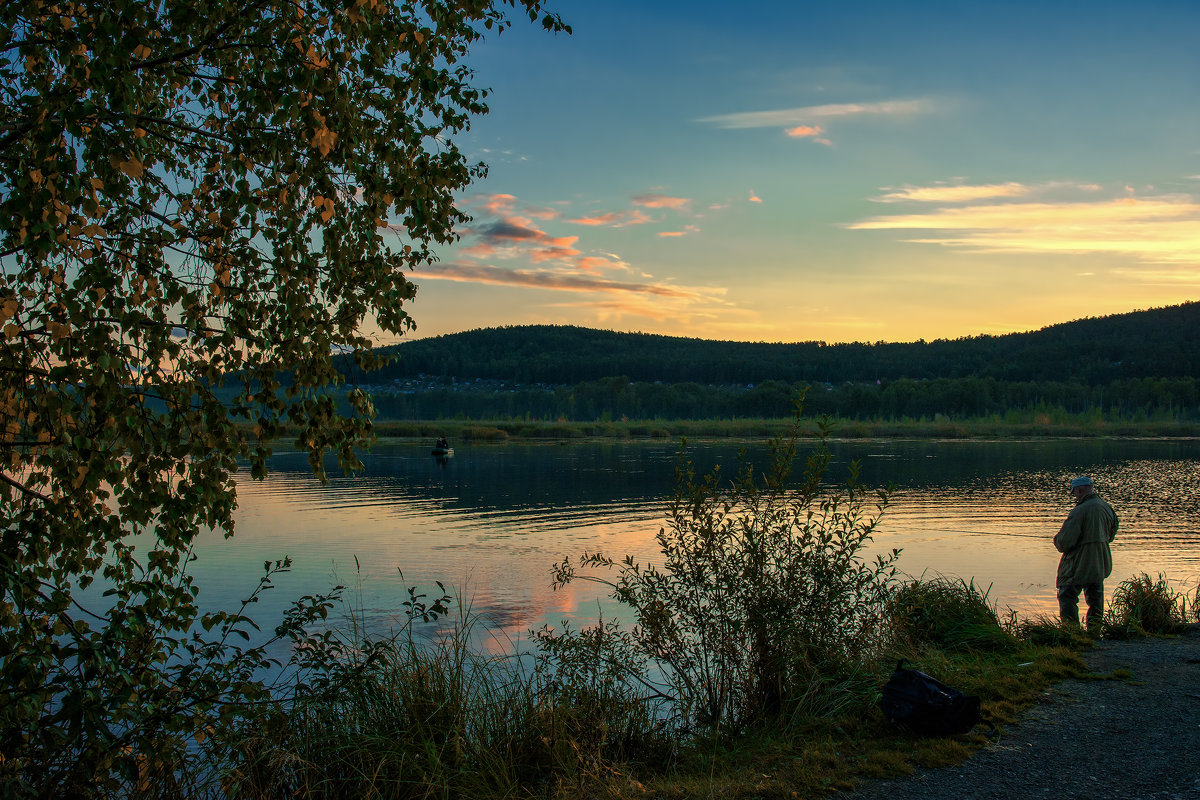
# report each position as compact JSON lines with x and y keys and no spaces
{"x":442,"y":452}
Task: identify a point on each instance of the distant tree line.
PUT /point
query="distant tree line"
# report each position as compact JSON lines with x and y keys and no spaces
{"x":617,"y":398}
{"x":1159,"y":343}
{"x":1141,"y":364}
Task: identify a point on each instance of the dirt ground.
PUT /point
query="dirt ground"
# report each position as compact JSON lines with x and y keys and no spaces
{"x":1135,"y":739}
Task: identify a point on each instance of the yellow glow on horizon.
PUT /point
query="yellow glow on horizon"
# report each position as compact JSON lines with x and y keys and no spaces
{"x":1159,"y":229}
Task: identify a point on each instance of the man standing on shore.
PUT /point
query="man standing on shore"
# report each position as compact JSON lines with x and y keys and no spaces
{"x":1086,"y":560}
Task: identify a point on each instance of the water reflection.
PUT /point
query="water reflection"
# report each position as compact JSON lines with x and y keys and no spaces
{"x":491,"y":520}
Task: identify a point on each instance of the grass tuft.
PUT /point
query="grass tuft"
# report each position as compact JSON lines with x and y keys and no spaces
{"x":1144,"y":606}
{"x":947,"y":613}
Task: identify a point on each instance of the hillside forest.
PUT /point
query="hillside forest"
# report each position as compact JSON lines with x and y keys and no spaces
{"x":1139,"y":365}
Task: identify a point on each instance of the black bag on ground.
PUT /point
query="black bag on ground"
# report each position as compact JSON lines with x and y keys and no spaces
{"x":926,"y":706}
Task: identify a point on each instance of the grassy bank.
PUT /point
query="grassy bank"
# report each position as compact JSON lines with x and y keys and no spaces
{"x":418,"y":718}
{"x":759,"y":642}
{"x":988,"y":428}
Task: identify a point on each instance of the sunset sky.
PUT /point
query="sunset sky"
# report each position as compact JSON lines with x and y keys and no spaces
{"x":851,"y":171}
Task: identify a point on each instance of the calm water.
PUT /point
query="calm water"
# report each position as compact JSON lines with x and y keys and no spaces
{"x":490,"y":522}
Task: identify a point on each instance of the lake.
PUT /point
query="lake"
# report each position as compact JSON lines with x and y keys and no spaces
{"x":490,"y":521}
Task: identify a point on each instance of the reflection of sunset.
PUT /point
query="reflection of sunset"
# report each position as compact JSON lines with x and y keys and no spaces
{"x":491,"y":526}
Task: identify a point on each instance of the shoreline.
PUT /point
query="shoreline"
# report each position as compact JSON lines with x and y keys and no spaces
{"x":500,"y":431}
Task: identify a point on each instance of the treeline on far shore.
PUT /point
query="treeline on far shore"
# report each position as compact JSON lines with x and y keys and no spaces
{"x":1008,"y":426}
{"x":944,"y":404}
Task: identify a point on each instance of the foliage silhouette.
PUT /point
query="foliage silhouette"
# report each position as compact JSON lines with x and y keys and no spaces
{"x":190,"y":190}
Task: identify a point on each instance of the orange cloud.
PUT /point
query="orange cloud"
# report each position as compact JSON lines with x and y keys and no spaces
{"x":499,"y":203}
{"x":481,"y":250}
{"x":615,"y":219}
{"x":559,"y":249}
{"x":671,"y":233}
{"x":813,"y":132}
{"x":661,"y":201}
{"x":754,"y":198}
{"x":593,"y":263}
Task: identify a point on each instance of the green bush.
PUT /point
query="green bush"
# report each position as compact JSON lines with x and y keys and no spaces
{"x":762,"y":600}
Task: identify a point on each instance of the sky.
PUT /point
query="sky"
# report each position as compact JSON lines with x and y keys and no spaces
{"x":850,"y":171}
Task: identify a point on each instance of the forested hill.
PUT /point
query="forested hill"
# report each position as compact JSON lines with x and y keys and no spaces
{"x":1158,"y":343}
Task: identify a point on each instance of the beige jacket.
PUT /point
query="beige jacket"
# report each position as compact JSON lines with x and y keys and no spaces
{"x":1083,"y":541}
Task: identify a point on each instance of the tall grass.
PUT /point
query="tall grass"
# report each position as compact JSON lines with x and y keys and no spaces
{"x":423,"y":715}
{"x":1142,"y":606}
{"x":948,"y":614}
{"x":416,"y":717}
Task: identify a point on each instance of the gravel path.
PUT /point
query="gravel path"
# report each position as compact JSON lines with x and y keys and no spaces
{"x":1137,"y":739}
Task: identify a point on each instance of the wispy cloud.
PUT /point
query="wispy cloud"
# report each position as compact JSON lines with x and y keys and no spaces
{"x":961,"y":192}
{"x":661,"y":201}
{"x":1163,"y":229}
{"x":808,"y":115}
{"x":555,"y":279}
{"x":498,"y":203}
{"x":953,"y":193}
{"x":1186,"y":276}
{"x":614,"y":219}
{"x":504,"y":247}
{"x":687,"y":230}
{"x":612,"y":309}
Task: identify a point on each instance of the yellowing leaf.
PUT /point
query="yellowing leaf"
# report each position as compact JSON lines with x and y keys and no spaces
{"x":12,"y":330}
{"x":141,"y":52}
{"x":323,"y":140}
{"x":133,"y":168}
{"x":58,"y":331}
{"x":314,"y":59}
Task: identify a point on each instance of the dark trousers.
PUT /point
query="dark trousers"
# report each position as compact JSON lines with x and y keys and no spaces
{"x":1068,"y":603}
